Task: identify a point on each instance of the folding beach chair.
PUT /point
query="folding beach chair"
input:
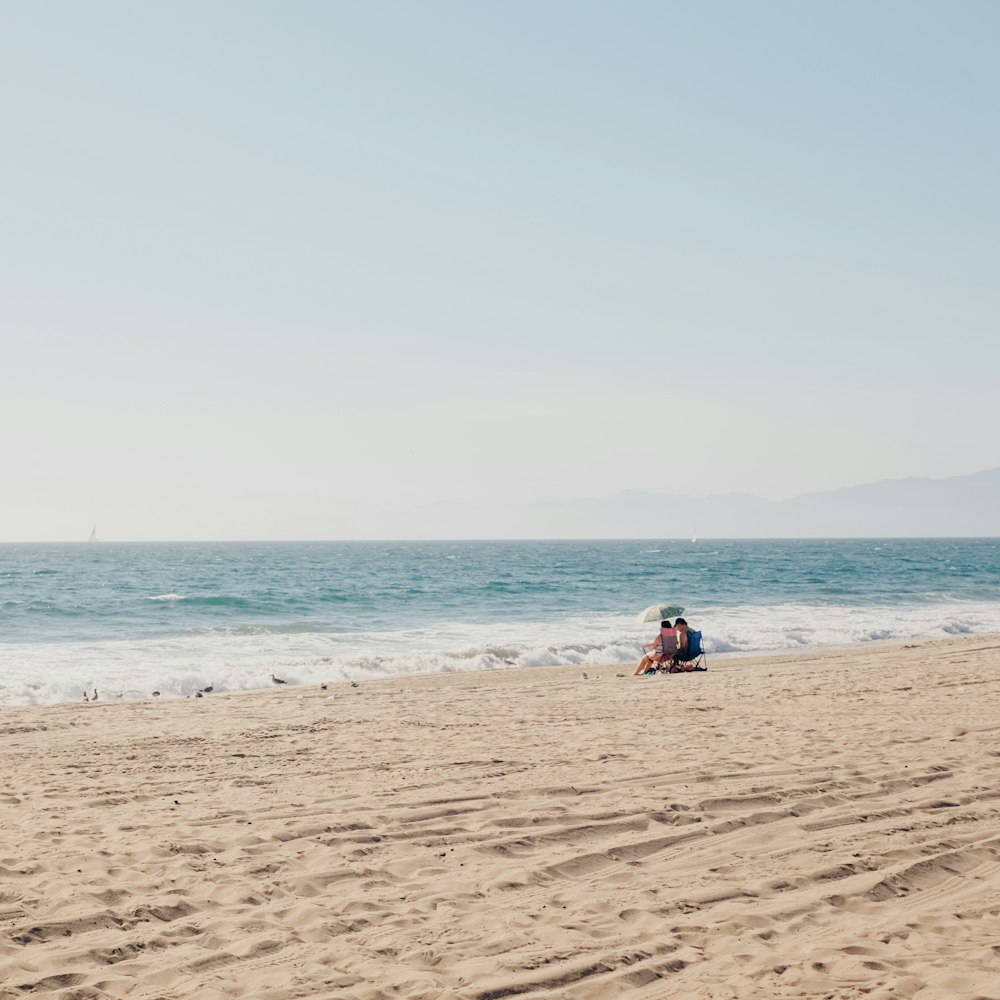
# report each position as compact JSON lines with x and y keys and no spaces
{"x":663,"y":650}
{"x":692,"y":657}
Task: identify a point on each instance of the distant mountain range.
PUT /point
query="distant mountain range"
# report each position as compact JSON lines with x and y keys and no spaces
{"x":966,"y":506}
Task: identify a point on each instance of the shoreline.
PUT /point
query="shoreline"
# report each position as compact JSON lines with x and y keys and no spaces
{"x":181,"y":620}
{"x":805,"y":824}
{"x":114,"y":695}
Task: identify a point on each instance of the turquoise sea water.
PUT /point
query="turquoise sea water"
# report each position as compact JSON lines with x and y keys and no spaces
{"x":132,"y":618}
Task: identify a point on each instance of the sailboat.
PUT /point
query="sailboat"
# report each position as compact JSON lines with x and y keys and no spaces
{"x":93,"y":534}
{"x":694,"y":535}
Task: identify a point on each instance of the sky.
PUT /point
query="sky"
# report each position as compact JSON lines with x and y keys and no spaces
{"x":285,"y":269}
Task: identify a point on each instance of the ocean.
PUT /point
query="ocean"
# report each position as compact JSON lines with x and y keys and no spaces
{"x":132,"y":618}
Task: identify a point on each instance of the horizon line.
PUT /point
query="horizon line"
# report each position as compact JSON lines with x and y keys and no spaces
{"x":553,"y":538}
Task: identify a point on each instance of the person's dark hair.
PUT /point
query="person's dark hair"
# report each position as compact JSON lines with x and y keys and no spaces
{"x":665,"y":624}
{"x":680,"y":621}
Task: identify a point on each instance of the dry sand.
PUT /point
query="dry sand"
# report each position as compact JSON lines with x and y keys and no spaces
{"x":818,"y":825}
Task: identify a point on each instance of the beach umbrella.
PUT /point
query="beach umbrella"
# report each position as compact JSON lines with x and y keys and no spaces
{"x":658,"y":612}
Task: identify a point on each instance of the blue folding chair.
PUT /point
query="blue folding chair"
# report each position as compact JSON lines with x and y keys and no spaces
{"x":691,"y":657}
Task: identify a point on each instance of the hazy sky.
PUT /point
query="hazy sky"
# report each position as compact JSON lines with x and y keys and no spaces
{"x":274,"y":269}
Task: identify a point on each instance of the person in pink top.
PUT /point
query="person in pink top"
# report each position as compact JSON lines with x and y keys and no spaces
{"x":661,"y":649}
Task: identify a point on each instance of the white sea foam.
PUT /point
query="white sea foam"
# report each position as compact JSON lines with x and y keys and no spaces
{"x":245,"y":659}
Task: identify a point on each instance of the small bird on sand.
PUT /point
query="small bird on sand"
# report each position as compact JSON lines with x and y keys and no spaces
{"x":277,"y":680}
{"x":93,"y":697}
{"x":355,"y":684}
{"x":198,"y":694}
{"x":322,"y":687}
{"x":156,"y":694}
{"x":86,"y":697}
{"x":207,"y":690}
{"x":585,"y":675}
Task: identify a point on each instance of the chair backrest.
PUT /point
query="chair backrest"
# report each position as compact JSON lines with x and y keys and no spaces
{"x":668,"y":641}
{"x":694,"y":645}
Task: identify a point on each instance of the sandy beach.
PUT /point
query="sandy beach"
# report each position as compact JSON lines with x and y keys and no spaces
{"x":814,"y":825}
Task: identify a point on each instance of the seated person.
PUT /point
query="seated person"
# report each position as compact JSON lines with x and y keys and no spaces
{"x":662,"y":649}
{"x":682,"y":641}
{"x":689,"y":649}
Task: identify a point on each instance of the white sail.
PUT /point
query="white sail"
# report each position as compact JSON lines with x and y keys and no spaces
{"x":93,"y":534}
